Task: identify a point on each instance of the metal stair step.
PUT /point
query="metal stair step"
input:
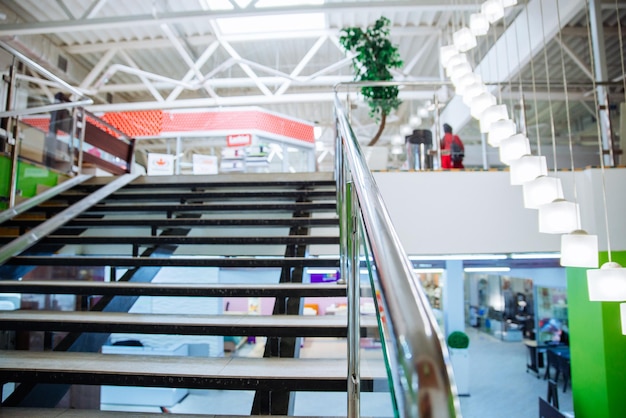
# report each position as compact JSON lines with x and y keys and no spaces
{"x":75,"y":287}
{"x":183,"y":222}
{"x":185,"y":240}
{"x":229,"y":373}
{"x":121,"y":261}
{"x":12,"y":412}
{"x":182,"y":324}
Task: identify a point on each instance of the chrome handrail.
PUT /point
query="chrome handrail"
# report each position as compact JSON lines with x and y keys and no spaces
{"x":421,"y":369}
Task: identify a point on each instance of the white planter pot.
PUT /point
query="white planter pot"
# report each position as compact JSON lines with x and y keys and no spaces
{"x":460,"y":366}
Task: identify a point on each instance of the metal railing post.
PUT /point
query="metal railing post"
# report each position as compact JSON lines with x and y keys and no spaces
{"x":354,"y":372}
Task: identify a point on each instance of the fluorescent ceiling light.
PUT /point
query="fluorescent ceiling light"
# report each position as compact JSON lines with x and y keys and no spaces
{"x":530,"y":256}
{"x":275,"y":23}
{"x":426,"y":270}
{"x":284,"y":3}
{"x":459,"y":257}
{"x":485,"y":269}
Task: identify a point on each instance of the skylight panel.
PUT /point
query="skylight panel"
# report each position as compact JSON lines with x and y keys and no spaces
{"x":275,"y":23}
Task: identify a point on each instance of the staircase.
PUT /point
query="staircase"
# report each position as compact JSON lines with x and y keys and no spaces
{"x":159,"y":260}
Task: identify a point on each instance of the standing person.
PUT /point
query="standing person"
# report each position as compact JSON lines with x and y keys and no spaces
{"x":452,"y":149}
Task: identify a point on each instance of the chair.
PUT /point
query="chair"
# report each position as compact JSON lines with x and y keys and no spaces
{"x":564,"y":367}
{"x":553,"y":361}
{"x":548,"y":411}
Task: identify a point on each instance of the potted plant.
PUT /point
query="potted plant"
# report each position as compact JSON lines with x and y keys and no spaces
{"x":375,"y":57}
{"x":458,"y":344}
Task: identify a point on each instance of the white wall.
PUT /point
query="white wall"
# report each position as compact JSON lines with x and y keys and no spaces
{"x":460,"y":212}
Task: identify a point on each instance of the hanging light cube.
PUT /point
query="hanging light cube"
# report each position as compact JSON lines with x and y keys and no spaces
{"x":464,"y":39}
{"x":607,"y":284}
{"x":622,"y":310}
{"x":460,"y":70}
{"x":446,"y":52}
{"x":455,"y":60}
{"x":481,"y":102}
{"x":513,"y":148}
{"x":508,"y":3}
{"x":479,"y":25}
{"x":492,"y":114}
{"x":500,"y":130}
{"x":559,"y":217}
{"x":528,"y":168}
{"x":541,"y":191}
{"x":493,"y":10}
{"x":472,"y":91}
{"x":579,"y":249}
{"x":415,"y":121}
{"x":465,"y":81}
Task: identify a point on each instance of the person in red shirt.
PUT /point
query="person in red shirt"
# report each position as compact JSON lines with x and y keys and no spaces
{"x":452,"y":149}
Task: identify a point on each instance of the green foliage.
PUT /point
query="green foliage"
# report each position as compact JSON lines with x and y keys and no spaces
{"x":375,"y":57}
{"x":458,"y":339}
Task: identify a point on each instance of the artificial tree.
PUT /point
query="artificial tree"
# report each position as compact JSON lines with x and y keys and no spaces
{"x":375,"y":57}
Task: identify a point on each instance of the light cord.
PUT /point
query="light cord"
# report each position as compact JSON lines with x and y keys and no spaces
{"x":533,"y":81}
{"x":601,"y":150}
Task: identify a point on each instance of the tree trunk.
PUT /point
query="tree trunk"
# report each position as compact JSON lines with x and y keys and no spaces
{"x":381,"y":128}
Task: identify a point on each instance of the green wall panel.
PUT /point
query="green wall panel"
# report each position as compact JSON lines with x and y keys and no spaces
{"x":598,"y":349}
{"x":29,"y":176}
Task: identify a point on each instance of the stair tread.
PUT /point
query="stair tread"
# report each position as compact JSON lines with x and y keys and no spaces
{"x":186,"y":324}
{"x":170,"y":289}
{"x":235,"y":373}
{"x":13,"y":412}
{"x":127,"y":261}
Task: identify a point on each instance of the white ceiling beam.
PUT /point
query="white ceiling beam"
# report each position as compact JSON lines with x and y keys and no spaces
{"x":234,"y":54}
{"x":98,"y":68}
{"x":184,"y":54}
{"x":256,"y":100}
{"x":208,"y":52}
{"x":202,"y":40}
{"x":585,"y":69}
{"x":93,"y":10}
{"x":155,"y":93}
{"x":427,"y":46}
{"x":302,"y":64}
{"x":65,"y":26}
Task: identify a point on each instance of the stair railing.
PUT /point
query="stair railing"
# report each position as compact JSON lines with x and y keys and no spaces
{"x":85,"y":138}
{"x":418,"y":364}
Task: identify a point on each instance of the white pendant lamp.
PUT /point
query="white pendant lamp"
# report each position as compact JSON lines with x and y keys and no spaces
{"x":455,"y":60}
{"x":492,"y":114}
{"x":482,"y":102}
{"x":465,"y":81}
{"x":493,"y":10}
{"x":528,"y":168}
{"x":541,"y":191}
{"x":415,"y":121}
{"x":508,"y":3}
{"x":607,"y":284}
{"x":559,"y":217}
{"x":460,"y":70}
{"x":464,"y":39}
{"x":479,"y":25}
{"x":579,"y":249}
{"x":622,"y":309}
{"x":472,"y":91}
{"x":500,"y":130}
{"x":445,"y":53}
{"x":513,"y":148}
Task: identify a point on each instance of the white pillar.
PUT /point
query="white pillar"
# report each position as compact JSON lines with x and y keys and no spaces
{"x":453,"y":297}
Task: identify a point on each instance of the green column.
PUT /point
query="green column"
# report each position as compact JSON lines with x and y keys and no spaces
{"x":598,"y":349}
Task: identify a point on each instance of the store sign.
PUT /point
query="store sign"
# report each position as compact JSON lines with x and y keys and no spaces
{"x":204,"y":164}
{"x":160,"y":164}
{"x":238,"y":140}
